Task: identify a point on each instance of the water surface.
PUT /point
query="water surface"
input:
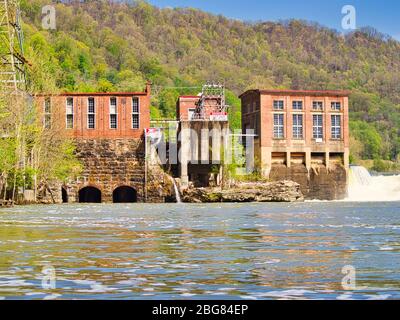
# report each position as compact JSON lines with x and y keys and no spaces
{"x":215,"y":251}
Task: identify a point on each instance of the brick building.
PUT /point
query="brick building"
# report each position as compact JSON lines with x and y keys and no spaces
{"x":301,"y":136}
{"x":108,"y":129}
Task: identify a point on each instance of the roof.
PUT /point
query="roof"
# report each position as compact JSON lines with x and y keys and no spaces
{"x":89,"y":94}
{"x":189,"y":97}
{"x":317,"y":93}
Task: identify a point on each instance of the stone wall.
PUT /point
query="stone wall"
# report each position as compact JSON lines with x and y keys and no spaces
{"x":319,"y":183}
{"x":112,"y":163}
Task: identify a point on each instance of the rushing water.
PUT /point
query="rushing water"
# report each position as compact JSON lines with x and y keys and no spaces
{"x":364,"y":187}
{"x":220,"y":251}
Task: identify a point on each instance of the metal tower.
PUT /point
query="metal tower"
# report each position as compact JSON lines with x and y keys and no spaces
{"x":212,"y":95}
{"x":12,"y":61}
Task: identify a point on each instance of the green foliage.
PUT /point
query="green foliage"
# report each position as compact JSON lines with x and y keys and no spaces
{"x":167,"y":102}
{"x":380,"y":166}
{"x":67,"y":165}
{"x":367,"y":133}
{"x":117,"y":45}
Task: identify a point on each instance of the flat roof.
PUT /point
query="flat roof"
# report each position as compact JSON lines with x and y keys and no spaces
{"x":189,"y":97}
{"x":336,"y":93}
{"x":80,"y":94}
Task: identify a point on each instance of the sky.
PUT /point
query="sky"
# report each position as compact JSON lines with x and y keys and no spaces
{"x":383,"y":15}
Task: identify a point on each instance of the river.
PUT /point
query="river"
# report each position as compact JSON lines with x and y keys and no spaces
{"x":216,"y":251}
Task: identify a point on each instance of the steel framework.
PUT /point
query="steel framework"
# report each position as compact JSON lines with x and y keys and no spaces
{"x":212,"y":95}
{"x":12,"y":61}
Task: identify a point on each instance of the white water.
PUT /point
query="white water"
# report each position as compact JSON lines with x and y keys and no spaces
{"x":364,"y":187}
{"x":177,"y":194}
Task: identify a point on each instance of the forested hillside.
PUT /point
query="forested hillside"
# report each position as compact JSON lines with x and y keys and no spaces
{"x":101,"y":45}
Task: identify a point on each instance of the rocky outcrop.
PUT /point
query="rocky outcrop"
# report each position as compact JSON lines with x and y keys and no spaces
{"x":280,"y":191}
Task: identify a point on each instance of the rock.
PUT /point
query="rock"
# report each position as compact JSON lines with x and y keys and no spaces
{"x":280,"y":191}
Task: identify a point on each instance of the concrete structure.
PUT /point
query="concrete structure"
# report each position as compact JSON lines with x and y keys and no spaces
{"x":108,"y":129}
{"x":302,"y":136}
{"x":203,"y":128}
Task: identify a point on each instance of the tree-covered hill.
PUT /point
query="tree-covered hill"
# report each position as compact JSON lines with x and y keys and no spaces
{"x":106,"y":45}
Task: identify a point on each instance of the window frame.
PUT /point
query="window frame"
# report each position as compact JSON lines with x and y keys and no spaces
{"x":135,"y":114}
{"x":47,"y":113}
{"x":320,"y":135}
{"x":91,"y":114}
{"x":297,"y":102}
{"x":69,"y":114}
{"x":336,"y":103}
{"x":115,"y":113}
{"x":334,"y":134}
{"x":279,"y":108}
{"x":279,"y":129}
{"x":319,"y":108}
{"x":296,"y":128}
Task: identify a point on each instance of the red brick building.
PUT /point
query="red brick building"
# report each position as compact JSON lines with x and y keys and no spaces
{"x":108,"y":129}
{"x":98,"y":115}
{"x":298,"y":128}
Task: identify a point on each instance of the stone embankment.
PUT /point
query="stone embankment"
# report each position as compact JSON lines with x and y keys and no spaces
{"x":280,"y":191}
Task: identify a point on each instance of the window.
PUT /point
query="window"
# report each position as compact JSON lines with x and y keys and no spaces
{"x":135,"y":113}
{"x":70,"y":113}
{"x":297,"y":126}
{"x":278,"y":104}
{"x":278,"y":126}
{"x":47,"y":113}
{"x":297,"y":105}
{"x":191,"y":113}
{"x":113,"y":113}
{"x":91,"y":113}
{"x":335,"y":106}
{"x":318,"y":105}
{"x":317,"y":126}
{"x":336,"y":127}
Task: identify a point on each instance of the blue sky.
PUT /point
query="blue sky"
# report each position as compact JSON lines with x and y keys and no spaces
{"x":384,"y":15}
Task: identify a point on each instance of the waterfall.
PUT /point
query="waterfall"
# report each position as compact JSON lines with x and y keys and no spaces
{"x":364,"y":187}
{"x":176,"y":190}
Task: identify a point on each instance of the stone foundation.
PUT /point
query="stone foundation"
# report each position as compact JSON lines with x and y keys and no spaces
{"x":112,"y":163}
{"x":319,"y":183}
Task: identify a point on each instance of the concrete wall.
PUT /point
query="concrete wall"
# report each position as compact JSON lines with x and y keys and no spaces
{"x":201,"y":144}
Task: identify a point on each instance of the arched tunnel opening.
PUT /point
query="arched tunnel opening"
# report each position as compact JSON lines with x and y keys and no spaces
{"x":90,"y":195}
{"x":124,"y":195}
{"x":64,"y":194}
